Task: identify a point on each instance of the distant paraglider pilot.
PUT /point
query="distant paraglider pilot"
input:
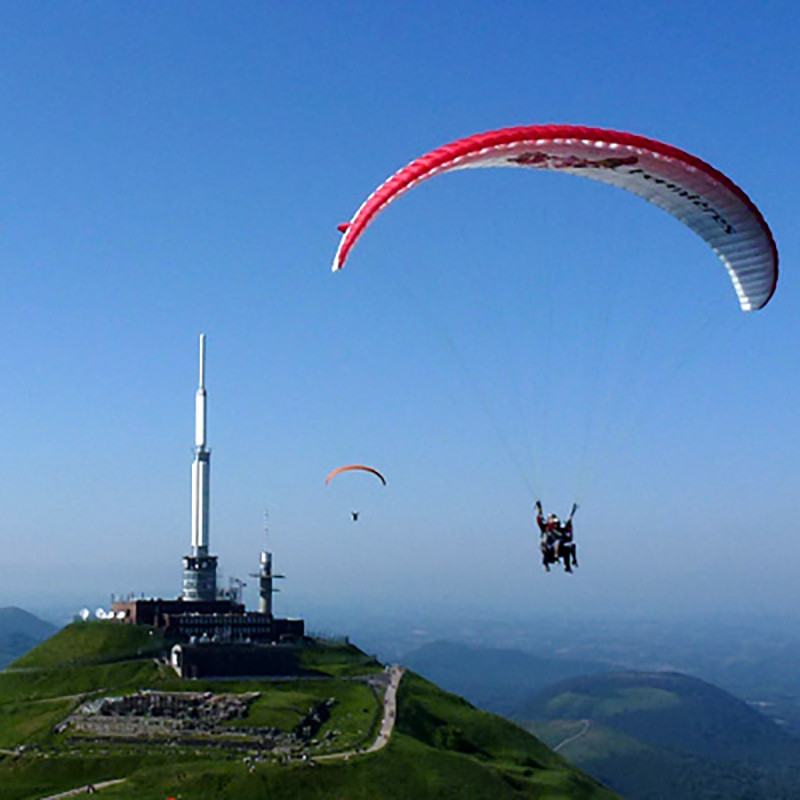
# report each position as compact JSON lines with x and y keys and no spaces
{"x":355,"y":468}
{"x":556,"y":539}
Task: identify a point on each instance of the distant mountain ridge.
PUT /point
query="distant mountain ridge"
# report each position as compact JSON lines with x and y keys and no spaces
{"x":495,"y":679}
{"x":19,"y":632}
{"x":699,"y":740}
{"x":665,"y":709}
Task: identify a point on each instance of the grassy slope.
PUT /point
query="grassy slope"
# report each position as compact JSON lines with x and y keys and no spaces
{"x":338,"y":659}
{"x":405,"y":770}
{"x":448,"y":723}
{"x":442,"y":746}
{"x":93,"y":642}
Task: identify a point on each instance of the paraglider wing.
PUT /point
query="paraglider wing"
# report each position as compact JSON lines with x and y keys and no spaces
{"x":358,"y":467}
{"x":694,"y":192}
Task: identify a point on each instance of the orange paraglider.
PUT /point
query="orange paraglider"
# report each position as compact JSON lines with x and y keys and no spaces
{"x":356,"y":467}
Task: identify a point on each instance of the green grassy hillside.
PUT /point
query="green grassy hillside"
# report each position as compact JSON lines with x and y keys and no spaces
{"x":441,"y":746}
{"x":94,"y":642}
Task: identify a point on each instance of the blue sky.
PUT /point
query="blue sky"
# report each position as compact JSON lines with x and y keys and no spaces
{"x":172,"y":169}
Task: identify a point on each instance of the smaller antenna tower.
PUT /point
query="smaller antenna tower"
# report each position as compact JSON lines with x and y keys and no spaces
{"x":265,"y":575}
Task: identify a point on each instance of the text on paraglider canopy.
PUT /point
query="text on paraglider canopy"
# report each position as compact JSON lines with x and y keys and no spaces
{"x":693,"y":198}
{"x":543,"y":160}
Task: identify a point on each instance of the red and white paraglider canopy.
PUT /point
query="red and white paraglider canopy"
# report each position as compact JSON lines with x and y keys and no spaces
{"x":701,"y":197}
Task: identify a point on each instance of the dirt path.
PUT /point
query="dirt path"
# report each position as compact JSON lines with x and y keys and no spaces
{"x":582,"y":732}
{"x":389,"y":710}
{"x":387,"y":722}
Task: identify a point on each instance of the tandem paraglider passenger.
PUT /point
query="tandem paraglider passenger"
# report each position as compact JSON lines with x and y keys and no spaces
{"x":556,"y":539}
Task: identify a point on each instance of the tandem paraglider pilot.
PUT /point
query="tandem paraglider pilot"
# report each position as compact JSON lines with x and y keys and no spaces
{"x":556,"y":539}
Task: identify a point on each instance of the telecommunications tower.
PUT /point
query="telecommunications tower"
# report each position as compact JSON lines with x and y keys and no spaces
{"x":200,"y":568}
{"x":266,"y":576}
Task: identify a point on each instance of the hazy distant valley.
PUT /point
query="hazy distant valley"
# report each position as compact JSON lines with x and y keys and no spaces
{"x":646,"y":734}
{"x":756,"y":660}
